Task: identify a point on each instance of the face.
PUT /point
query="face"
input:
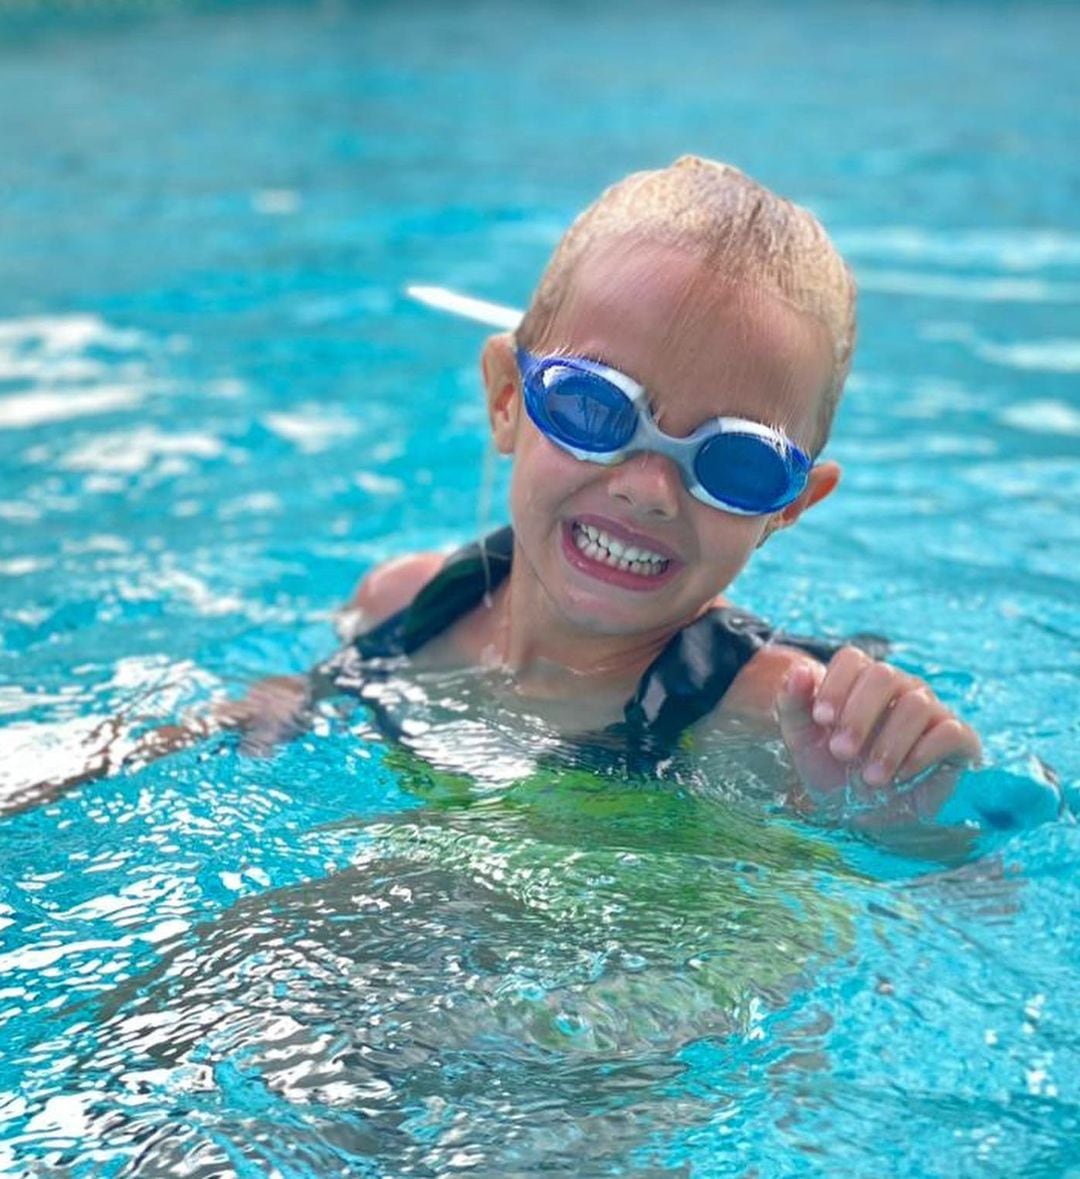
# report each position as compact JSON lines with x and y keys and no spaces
{"x":702,"y":349}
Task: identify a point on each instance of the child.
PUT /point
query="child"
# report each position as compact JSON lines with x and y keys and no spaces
{"x":664,"y":400}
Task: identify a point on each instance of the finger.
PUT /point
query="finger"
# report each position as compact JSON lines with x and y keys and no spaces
{"x":795,"y":703}
{"x":913,"y":714}
{"x":844,"y":669}
{"x":871,"y":695}
{"x":949,"y":739}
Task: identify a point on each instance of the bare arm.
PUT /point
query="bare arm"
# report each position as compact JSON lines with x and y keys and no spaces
{"x":274,"y":710}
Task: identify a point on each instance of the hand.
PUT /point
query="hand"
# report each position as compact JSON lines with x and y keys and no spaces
{"x":275,"y":709}
{"x":866,"y":723}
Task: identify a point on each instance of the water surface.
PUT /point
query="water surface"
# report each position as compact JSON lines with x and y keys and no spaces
{"x":217,"y":410}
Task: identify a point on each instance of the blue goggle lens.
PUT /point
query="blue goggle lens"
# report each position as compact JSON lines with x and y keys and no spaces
{"x":586,"y":412}
{"x":744,"y":471}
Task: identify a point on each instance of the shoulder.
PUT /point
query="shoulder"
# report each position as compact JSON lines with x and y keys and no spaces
{"x":388,"y":588}
{"x":754,"y":693}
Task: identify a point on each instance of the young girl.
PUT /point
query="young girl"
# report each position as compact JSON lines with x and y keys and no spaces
{"x":665,"y":400}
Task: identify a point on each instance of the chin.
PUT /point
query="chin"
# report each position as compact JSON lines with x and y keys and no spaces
{"x":606,"y":614}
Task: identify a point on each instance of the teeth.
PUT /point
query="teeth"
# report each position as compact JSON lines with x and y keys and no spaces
{"x":597,"y":545}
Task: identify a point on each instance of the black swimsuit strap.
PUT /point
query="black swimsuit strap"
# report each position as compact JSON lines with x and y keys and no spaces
{"x":457,"y":588}
{"x":690,"y":676}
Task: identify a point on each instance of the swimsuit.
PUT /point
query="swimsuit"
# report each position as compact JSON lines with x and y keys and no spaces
{"x":684,"y":683}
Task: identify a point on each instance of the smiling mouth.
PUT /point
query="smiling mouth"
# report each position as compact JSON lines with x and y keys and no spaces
{"x":600,"y":546}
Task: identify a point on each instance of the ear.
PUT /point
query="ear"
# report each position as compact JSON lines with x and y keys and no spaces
{"x":502,"y":383}
{"x":822,"y":483}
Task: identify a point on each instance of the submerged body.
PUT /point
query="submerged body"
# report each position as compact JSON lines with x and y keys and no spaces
{"x":528,"y":959}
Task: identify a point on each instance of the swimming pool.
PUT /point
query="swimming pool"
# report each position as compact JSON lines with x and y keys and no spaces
{"x":217,"y":410}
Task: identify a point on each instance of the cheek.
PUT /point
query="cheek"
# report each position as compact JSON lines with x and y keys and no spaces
{"x":728,"y":541}
{"x":543,"y":475}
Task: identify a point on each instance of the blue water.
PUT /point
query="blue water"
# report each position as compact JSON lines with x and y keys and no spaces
{"x":217,"y":410}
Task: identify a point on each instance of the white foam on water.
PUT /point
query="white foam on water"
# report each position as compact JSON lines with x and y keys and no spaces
{"x":53,"y":357}
{"x":967,"y":287}
{"x":311,"y":429}
{"x":36,"y":368}
{"x":1009,"y":249}
{"x":21,"y":410}
{"x":35,"y":752}
{"x":1060,"y":355}
{"x":62,"y":334}
{"x":30,"y":959}
{"x":66,"y":1117}
{"x":256,"y":503}
{"x":376,"y":484}
{"x":163,"y":681}
{"x":1042,"y":417}
{"x":126,"y":452}
{"x":99,"y":542}
{"x":276,"y":202}
{"x":21,"y":566}
{"x":181,"y":585}
{"x":1053,"y":356}
{"x":15,"y":699}
{"x":16,"y":512}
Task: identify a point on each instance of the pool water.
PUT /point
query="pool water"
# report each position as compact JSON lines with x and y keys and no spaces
{"x":218,"y":410}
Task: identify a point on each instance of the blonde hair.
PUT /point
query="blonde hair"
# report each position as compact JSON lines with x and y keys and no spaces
{"x":738,"y":228}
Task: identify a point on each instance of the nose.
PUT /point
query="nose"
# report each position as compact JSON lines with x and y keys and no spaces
{"x":648,"y":483}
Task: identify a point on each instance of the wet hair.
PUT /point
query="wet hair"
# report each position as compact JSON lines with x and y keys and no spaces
{"x":739,"y":230}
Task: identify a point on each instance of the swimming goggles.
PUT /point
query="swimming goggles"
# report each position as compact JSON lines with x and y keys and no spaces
{"x":600,"y":415}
